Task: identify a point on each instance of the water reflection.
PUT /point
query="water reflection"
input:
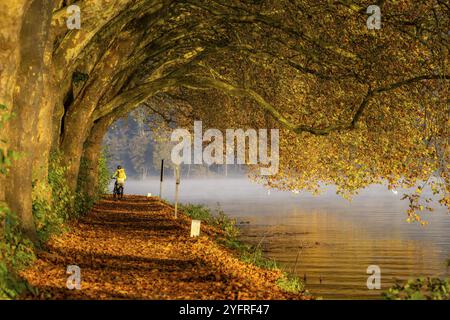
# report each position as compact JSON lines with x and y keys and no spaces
{"x":327,"y":240}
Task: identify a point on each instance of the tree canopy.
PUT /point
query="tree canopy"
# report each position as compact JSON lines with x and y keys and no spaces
{"x":355,"y":106}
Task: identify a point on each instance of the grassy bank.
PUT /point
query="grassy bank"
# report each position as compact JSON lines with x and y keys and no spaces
{"x":229,"y":237}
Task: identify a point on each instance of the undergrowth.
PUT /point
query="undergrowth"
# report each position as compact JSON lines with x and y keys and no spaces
{"x":420,"y":289}
{"x":53,"y":205}
{"x":16,"y":253}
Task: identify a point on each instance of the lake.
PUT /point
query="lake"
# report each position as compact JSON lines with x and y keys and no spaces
{"x":325,"y":239}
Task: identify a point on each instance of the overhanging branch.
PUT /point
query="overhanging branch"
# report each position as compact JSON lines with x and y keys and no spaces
{"x":201,"y":82}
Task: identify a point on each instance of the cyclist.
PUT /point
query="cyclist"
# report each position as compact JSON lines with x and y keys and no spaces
{"x":119,"y":185}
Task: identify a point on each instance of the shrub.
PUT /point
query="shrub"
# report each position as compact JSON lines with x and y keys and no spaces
{"x":52,"y":201}
{"x":16,"y":253}
{"x":62,"y":197}
{"x":291,"y":284}
{"x":420,"y":289}
{"x":104,"y":175}
{"x":228,"y":225}
{"x":255,"y":255}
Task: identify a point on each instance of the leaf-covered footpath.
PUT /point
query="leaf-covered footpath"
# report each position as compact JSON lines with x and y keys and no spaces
{"x":136,"y":249}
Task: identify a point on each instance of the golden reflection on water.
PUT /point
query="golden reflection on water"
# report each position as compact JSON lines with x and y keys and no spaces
{"x":333,"y":254}
{"x":335,"y":240}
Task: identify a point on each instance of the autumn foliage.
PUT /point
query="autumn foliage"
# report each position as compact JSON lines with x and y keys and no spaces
{"x":136,"y":249}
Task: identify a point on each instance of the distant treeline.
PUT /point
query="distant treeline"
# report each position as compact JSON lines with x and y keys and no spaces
{"x":133,"y":143}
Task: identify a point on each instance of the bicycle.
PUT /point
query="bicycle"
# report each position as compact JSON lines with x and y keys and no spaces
{"x":118,"y":189}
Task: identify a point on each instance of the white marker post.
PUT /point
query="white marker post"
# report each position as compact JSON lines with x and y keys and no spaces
{"x":177,"y":185}
{"x":195,"y":228}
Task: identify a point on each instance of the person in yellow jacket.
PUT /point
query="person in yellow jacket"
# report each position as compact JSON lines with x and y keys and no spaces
{"x":120,"y":177}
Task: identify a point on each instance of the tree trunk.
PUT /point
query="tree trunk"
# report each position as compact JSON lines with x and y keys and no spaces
{"x":22,"y":135}
{"x":43,"y":142}
{"x":91,"y":156}
{"x":79,"y":117}
{"x":11,"y":17}
{"x":75,"y":134}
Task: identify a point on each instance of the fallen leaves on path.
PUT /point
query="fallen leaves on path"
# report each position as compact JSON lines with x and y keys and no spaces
{"x":136,"y":249}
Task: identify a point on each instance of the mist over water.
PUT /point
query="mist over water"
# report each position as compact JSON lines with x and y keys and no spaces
{"x":332,"y":240}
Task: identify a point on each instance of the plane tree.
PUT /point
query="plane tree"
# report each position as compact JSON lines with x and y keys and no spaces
{"x":355,"y":106}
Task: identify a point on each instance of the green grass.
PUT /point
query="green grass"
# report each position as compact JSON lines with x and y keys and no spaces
{"x":291,"y":284}
{"x":197,"y":212}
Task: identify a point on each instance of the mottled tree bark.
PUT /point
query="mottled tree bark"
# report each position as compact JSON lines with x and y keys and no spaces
{"x":91,"y":156}
{"x":10,"y":24}
{"x":77,"y":121}
{"x":43,"y":141}
{"x":22,"y":135}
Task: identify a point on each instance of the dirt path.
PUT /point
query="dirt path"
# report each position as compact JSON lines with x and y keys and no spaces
{"x":135,"y":249}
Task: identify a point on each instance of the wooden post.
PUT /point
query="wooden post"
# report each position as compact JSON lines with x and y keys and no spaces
{"x":177,"y":184}
{"x":161,"y":178}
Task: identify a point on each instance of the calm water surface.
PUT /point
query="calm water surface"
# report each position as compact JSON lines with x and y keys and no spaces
{"x":326,"y":239}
